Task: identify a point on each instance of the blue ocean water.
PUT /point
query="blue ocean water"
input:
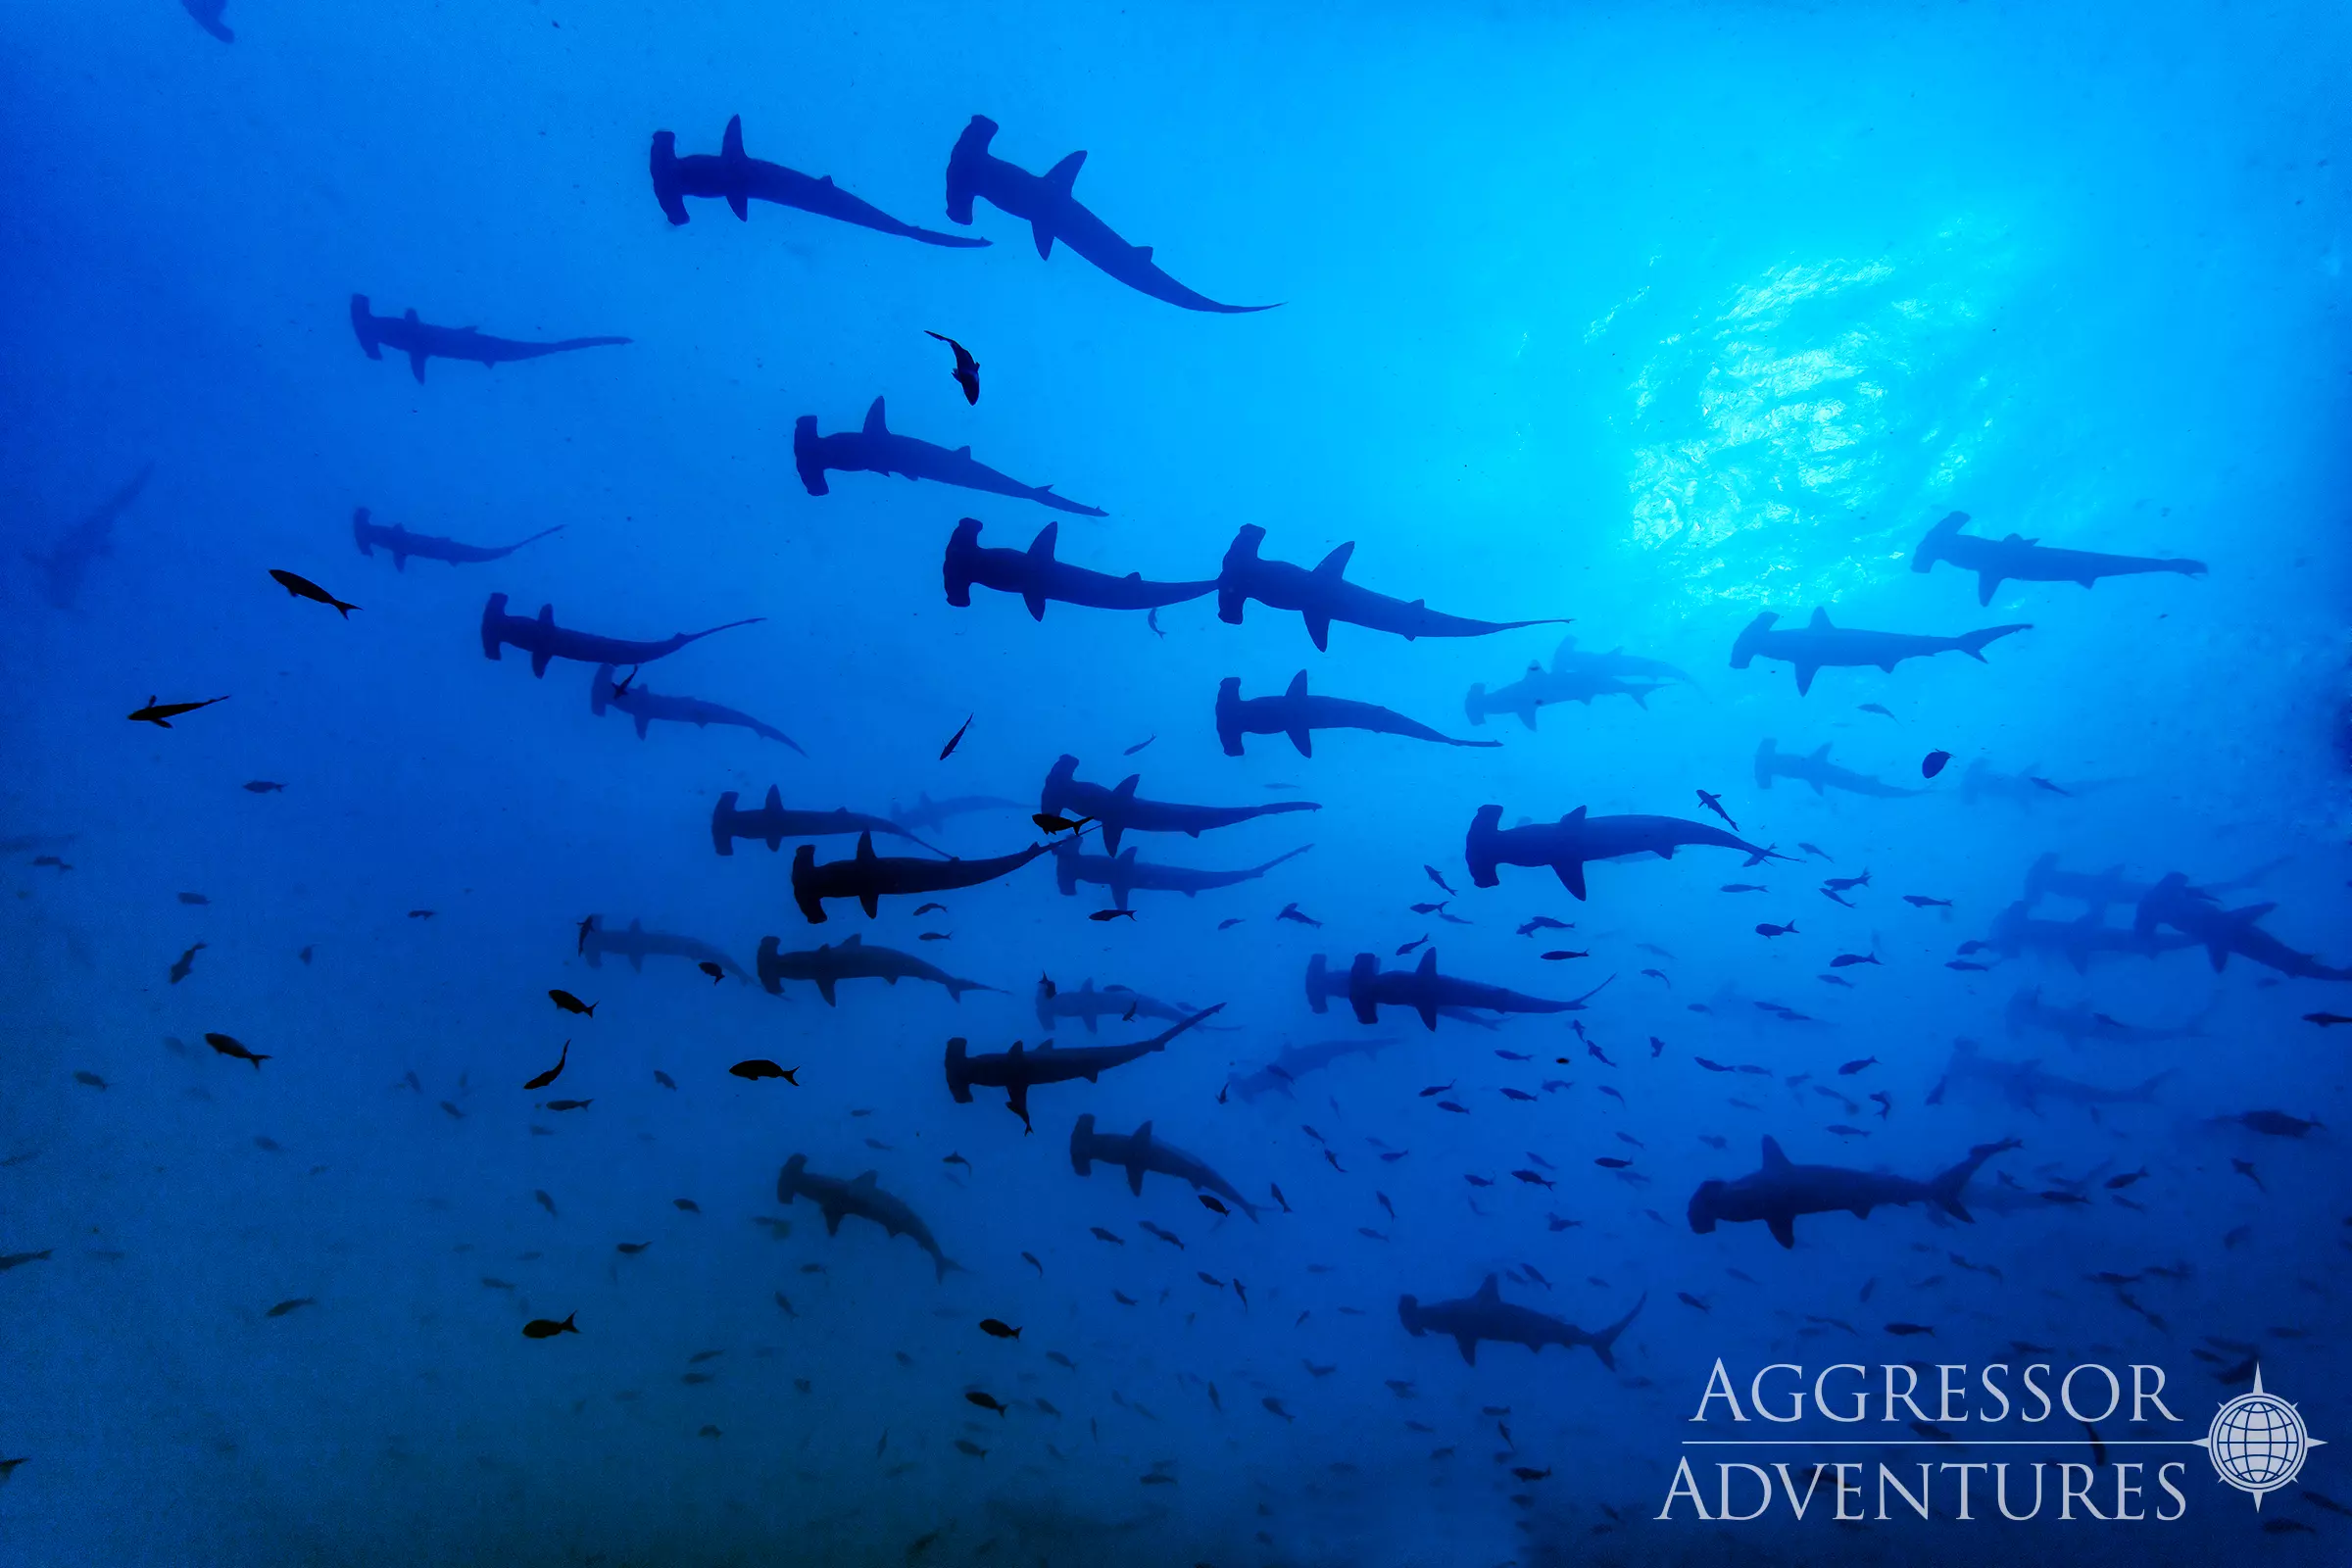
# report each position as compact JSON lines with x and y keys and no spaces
{"x":1656,"y":319}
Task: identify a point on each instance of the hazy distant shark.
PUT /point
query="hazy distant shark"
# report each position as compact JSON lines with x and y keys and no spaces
{"x":825,"y":967}
{"x":1985,"y":782}
{"x":544,"y":640}
{"x":2078,"y":941}
{"x":874,"y":448}
{"x":931,"y":814}
{"x":1818,"y":643}
{"x":1326,"y":985}
{"x":868,"y":877}
{"x":207,"y":16}
{"x":2045,"y":879}
{"x":644,"y":705}
{"x":1566,"y":845}
{"x":1119,"y":810}
{"x":2198,"y":917}
{"x":68,"y":560}
{"x":1574,"y":677}
{"x":428,"y":547}
{"x":1425,"y":992}
{"x":1141,"y":1152}
{"x":1035,"y":575}
{"x":421,"y":341}
{"x":858,"y":1197}
{"x":1819,"y":771}
{"x":1293,"y":1062}
{"x":1090,"y":1006}
{"x":1325,"y":595}
{"x":1297,"y":715}
{"x":1018,"y":1070}
{"x":1125,"y":875}
{"x":1780,"y":1192}
{"x":2021,"y":560}
{"x":1488,"y":1316}
{"x":2077,"y":1023}
{"x":2023,"y":1084}
{"x":742,"y":180}
{"x":1045,"y":203}
{"x":637,"y":945}
{"x":773,"y":824}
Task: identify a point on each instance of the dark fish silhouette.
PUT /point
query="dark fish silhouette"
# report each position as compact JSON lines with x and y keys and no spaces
{"x":569,"y":1003}
{"x":1932,"y":763}
{"x":552,"y":1073}
{"x":544,"y":640}
{"x":229,"y":1045}
{"x":643,"y":705}
{"x":540,"y":1328}
{"x":68,"y":562}
{"x":185,"y":962}
{"x":1038,"y":576}
{"x":304,"y":588}
{"x":403,"y":543}
{"x":966,"y":374}
{"x":262,"y":786}
{"x":761,"y":1067}
{"x":421,"y":341}
{"x":1996,"y":561}
{"x":741,"y":179}
{"x":161,"y":715}
{"x":1324,"y":594}
{"x":876,"y":448}
{"x":298,"y":1302}
{"x":1818,"y":643}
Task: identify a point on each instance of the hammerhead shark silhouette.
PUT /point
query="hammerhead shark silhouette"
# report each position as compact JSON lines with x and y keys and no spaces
{"x":421,"y":340}
{"x":742,"y":180}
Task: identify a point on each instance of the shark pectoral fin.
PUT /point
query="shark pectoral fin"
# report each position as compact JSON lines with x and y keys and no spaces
{"x":1135,"y":1178}
{"x":1036,"y":603}
{"x":1044,"y":238}
{"x":833,"y":1218}
{"x":1300,"y":737}
{"x":1064,"y":175}
{"x":1784,"y":1230}
{"x":870,"y":903}
{"x":736,"y":204}
{"x":824,"y":989}
{"x":644,"y":722}
{"x":1804,"y":677}
{"x":416,"y":359}
{"x":400,"y":562}
{"x":1988,"y":584}
{"x":1318,"y":629}
{"x":1469,"y":1344}
{"x":1429,"y":1015}
{"x":539,"y":663}
{"x":1572,"y":877}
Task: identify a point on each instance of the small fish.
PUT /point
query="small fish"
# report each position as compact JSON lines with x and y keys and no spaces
{"x":540,"y":1328}
{"x":1545,"y":923}
{"x":630,"y":1249}
{"x":1844,"y":1131}
{"x":1435,"y":1089}
{"x":1416,"y":942}
{"x":1835,"y":899}
{"x":1106,"y":916}
{"x":51,"y":859}
{"x":956,"y":739}
{"x":1429,"y":908}
{"x":1140,"y":745}
{"x":930,"y":907}
{"x":585,"y":926}
{"x":986,"y":1401}
{"x":1687,"y":1300}
{"x":2116,"y":1184}
{"x":966,"y":374}
{"x":1516,"y":1094}
{"x":1846,"y":961}
{"x":1447,"y":1104}
{"x":1274,"y":1407}
{"x":305,"y":957}
{"x":1850,"y":1068}
{"x":421,"y":915}
{"x":1291,"y":911}
{"x":968,"y":1445}
{"x":569,"y":1003}
{"x":1920,"y":901}
{"x":546,"y":1202}
{"x":159,"y":714}
{"x":1444,"y":886}
{"x":1533,"y":1179}
{"x":1050,"y":824}
{"x":1815,"y":848}
{"x":1964,"y":964}
{"x":1875,"y":707}
{"x":2245,"y":1168}
{"x":715,"y":973}
{"x":1229,"y":922}
{"x":1932,"y":763}
{"x":90,"y":1078}
{"x":1907,"y":1330}
{"x":1612,"y":1163}
{"x":552,"y":1073}
{"x":2044,"y":783}
{"x":1769,"y":931}
{"x":1714,"y":803}
{"x":1558,"y":953}
{"x":1836,"y":980}
{"x":1885,"y":1103}
{"x":1211,"y":1205}
{"x":229,"y":1045}
{"x":785,"y":1303}
{"x":262,"y":786}
{"x":569,"y":1105}
{"x":1279,"y":1199}
{"x":194,"y":897}
{"x":758,"y":1067}
{"x":1113,"y":1237}
{"x":20,"y":1259}
{"x":664,"y":1079}
{"x":997,"y":1329}
{"x":304,"y":588}
{"x":296,"y":1304}
{"x":1030,"y":1258}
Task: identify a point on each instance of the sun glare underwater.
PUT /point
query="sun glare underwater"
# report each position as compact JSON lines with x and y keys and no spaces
{"x":1188,"y":784}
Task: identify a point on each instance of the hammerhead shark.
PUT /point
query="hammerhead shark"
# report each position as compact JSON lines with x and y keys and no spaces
{"x":1125,"y":875}
{"x":2078,"y":941}
{"x":1819,"y":643}
{"x":68,"y":562}
{"x":1574,"y":677}
{"x":2078,"y":1022}
{"x":1819,"y":771}
{"x":207,"y":16}
{"x":2021,"y":560}
{"x":1141,"y":1152}
{"x":644,"y":705}
{"x":825,"y":967}
{"x":1488,"y":1316}
{"x":1296,"y":714}
{"x":1985,"y":782}
{"x":428,"y":547}
{"x":1566,"y":845}
{"x":775,"y":824}
{"x":2045,"y":878}
{"x":1426,"y":991}
{"x":2025,"y":1084}
{"x":1325,"y":985}
{"x":1046,"y":204}
{"x":421,"y":341}
{"x":858,"y":1195}
{"x":1017,"y":1071}
{"x":1780,"y":1192}
{"x":868,"y":877}
{"x":1035,"y":575}
{"x":1325,"y":595}
{"x":874,"y":448}
{"x":742,"y":180}
{"x":1293,"y":1062}
{"x":932,"y":815}
{"x":1119,"y":810}
{"x":2198,"y":916}
{"x":637,"y":945}
{"x":544,"y":640}
{"x":1090,"y":1006}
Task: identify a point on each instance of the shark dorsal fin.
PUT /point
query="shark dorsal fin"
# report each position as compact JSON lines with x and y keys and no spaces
{"x":1142,"y":1136}
{"x":1774,"y":1160}
{"x":547,"y":615}
{"x":775,"y":799}
{"x":1821,"y":752}
{"x":1017,"y":1052}
{"x":873,"y":420}
{"x":730,"y":145}
{"x":1820,"y":621}
{"x":1126,"y":789}
{"x":865,"y":1181}
{"x":966,"y":452}
{"x":1334,"y":565}
{"x":636,"y":925}
{"x":1041,"y":548}
{"x":853,"y":941}
{"x":1490,"y":1291}
{"x":1428,"y":961}
{"x":1298,"y":685}
{"x":1577,"y":815}
{"x":1063,"y":176}
{"x":866,"y":846}
{"x":1127,"y":856}
{"x":1088,"y":989}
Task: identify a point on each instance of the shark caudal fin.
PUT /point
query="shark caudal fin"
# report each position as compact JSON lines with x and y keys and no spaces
{"x":967,"y":163}
{"x":1229,"y":714}
{"x":1938,"y":542}
{"x":1318,"y":984}
{"x":803,"y":884}
{"x":1082,"y":1145}
{"x":959,"y":1074}
{"x":1478,"y":848}
{"x":1974,"y":642}
{"x":808,"y":455}
{"x":1233,"y":588}
{"x":1946,"y":1188}
{"x":1603,"y":1343}
{"x":494,"y":631}
{"x":665,"y":169}
{"x":1752,"y":640}
{"x":964,"y":548}
{"x":1361,"y":975}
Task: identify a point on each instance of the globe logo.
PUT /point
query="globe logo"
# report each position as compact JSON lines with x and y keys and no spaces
{"x":2258,"y":1441}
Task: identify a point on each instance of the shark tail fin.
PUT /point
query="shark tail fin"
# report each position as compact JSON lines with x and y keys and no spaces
{"x":1974,"y":642}
{"x":1946,"y":1188}
{"x":1932,"y":549}
{"x":1605,"y":1342}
